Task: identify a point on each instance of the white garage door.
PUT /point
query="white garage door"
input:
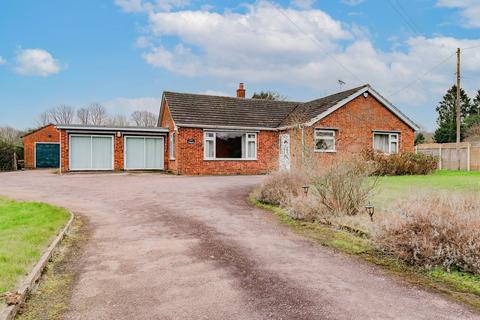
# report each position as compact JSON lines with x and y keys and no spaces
{"x":91,"y":152}
{"x":144,"y":153}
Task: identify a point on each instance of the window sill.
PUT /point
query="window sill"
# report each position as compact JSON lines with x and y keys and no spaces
{"x":325,"y":151}
{"x":172,"y":159}
{"x":228,"y":159}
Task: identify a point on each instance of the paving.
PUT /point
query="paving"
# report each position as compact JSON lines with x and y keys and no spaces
{"x":176,"y":247}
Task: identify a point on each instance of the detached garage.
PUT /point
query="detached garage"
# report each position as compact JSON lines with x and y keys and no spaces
{"x":42,"y":148}
{"x":97,"y":148}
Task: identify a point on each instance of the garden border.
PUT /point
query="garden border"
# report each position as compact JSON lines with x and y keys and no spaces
{"x":8,"y":312}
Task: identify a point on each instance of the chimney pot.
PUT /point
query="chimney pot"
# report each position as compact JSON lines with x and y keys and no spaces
{"x":241,"y":90}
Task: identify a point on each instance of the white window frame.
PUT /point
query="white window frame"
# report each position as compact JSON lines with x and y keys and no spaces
{"x":91,"y":152}
{"x":317,"y":134}
{"x":214,"y":138}
{"x":392,"y":137}
{"x":125,"y":166}
{"x":172,"y":146}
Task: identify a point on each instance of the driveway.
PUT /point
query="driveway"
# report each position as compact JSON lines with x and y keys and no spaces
{"x":173,"y":247}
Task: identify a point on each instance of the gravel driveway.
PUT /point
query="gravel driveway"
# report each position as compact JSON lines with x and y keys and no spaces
{"x":173,"y":247}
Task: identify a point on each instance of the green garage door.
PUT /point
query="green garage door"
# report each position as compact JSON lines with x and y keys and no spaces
{"x":47,"y":155}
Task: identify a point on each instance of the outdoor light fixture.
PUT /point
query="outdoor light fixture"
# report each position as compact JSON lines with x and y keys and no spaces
{"x":305,"y":189}
{"x":370,"y":210}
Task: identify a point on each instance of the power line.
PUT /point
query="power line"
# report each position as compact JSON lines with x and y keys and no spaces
{"x":318,"y":42}
{"x":402,"y":8}
{"x":422,"y":75}
{"x":468,"y":48}
{"x":403,"y":16}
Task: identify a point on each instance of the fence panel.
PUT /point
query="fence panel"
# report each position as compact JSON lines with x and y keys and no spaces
{"x":453,"y":157}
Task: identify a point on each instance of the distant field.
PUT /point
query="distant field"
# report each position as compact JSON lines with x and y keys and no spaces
{"x":26,"y":230}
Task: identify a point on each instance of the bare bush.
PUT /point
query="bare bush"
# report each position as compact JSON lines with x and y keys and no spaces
{"x":434,"y":229}
{"x":406,"y":163}
{"x":345,"y":186}
{"x":281,"y":186}
{"x":304,"y":208}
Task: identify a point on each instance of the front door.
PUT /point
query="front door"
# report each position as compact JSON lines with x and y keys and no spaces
{"x":284,"y":159}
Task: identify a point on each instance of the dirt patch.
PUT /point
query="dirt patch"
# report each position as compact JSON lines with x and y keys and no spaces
{"x":50,"y":299}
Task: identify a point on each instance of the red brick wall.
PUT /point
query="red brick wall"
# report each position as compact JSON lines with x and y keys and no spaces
{"x":45,"y":134}
{"x":190,"y":156}
{"x":355,"y":123}
{"x":166,"y":121}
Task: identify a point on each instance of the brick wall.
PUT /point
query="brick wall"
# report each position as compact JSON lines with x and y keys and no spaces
{"x":355,"y":123}
{"x":45,"y":134}
{"x":166,"y":121}
{"x":190,"y":156}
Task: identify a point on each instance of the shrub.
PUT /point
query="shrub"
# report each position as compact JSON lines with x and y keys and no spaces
{"x":279,"y":187}
{"x":345,"y":186}
{"x":304,"y":208}
{"x":406,"y":163}
{"x":6,"y":155}
{"x":434,"y":230}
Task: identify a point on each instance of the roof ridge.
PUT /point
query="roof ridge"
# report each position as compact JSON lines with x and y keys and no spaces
{"x":235,"y":98}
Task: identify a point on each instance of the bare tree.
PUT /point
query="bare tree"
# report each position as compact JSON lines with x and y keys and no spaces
{"x":10,"y":135}
{"x":83,"y":116}
{"x":62,"y":114}
{"x":42,"y":119}
{"x":98,"y":114}
{"x":144,"y":118}
{"x":119,"y":120}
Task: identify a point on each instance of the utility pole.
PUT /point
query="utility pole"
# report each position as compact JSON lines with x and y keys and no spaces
{"x":457,"y":107}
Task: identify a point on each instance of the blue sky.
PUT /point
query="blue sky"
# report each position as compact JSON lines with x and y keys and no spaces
{"x":124,"y":53}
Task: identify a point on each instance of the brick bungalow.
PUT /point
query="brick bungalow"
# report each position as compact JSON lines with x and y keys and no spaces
{"x":206,"y":134}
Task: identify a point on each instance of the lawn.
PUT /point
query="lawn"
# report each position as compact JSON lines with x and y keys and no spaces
{"x":26,"y":230}
{"x":392,"y":188}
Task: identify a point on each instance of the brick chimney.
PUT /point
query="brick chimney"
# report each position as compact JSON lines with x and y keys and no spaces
{"x":241,"y":90}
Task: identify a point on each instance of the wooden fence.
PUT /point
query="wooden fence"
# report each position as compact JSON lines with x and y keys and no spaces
{"x":465,"y":156}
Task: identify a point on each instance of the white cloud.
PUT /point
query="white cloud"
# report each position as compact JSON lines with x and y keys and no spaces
{"x":352,"y":2}
{"x":147,"y":6}
{"x":262,"y":46}
{"x":128,"y":105}
{"x":469,"y":9}
{"x":2,"y":60}
{"x":36,"y":62}
{"x":303,"y":4}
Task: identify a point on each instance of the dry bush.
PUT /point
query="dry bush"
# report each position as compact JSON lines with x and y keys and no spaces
{"x":304,"y":208}
{"x":434,"y":229}
{"x":406,"y":163}
{"x":345,"y":186}
{"x":281,"y":186}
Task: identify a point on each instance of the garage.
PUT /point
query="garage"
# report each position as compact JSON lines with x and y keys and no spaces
{"x":47,"y":155}
{"x":144,"y":153}
{"x":91,"y":152}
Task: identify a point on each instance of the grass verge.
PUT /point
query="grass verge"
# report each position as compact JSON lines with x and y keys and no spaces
{"x":50,"y":299}
{"x":458,"y":285}
{"x":26,"y":230}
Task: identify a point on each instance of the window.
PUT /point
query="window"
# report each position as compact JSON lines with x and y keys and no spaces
{"x":324,"y":140}
{"x":172,"y":146}
{"x":230,"y":145}
{"x":385,"y":142}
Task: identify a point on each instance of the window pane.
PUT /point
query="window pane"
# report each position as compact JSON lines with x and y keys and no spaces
{"x":325,"y":133}
{"x":209,"y":149}
{"x":380,"y":142}
{"x":80,"y":151}
{"x":394,"y":147}
{"x":251,"y":149}
{"x":324,"y":144}
{"x":135,"y":153}
{"x":153,"y":153}
{"x":228,"y":145}
{"x":172,"y":145}
{"x":102,"y":153}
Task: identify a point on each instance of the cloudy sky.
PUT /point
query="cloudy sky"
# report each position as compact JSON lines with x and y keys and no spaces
{"x":124,"y":53}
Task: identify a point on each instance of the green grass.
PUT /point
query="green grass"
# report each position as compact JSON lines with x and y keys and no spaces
{"x":26,"y":230}
{"x":461,"y":286}
{"x":392,"y":188}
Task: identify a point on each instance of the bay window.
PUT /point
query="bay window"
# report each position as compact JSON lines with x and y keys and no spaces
{"x":324,"y":140}
{"x":230,"y":146}
{"x":385,"y":142}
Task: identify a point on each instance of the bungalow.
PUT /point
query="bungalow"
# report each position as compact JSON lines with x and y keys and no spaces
{"x":206,"y":134}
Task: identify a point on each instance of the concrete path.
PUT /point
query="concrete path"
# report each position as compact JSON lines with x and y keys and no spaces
{"x":171,"y":247}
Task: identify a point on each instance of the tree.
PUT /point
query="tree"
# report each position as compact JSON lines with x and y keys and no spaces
{"x":144,"y":118}
{"x":83,"y":116}
{"x":269,"y":95}
{"x":63,"y":114}
{"x":446,"y":120}
{"x":98,"y":114}
{"x":10,"y":135}
{"x":42,"y":119}
{"x":419,"y":138}
{"x":119,"y":120}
